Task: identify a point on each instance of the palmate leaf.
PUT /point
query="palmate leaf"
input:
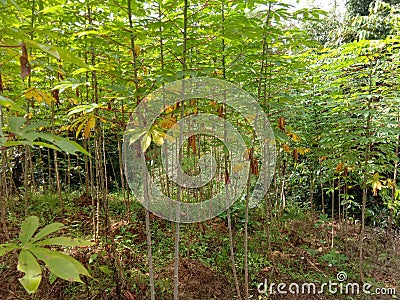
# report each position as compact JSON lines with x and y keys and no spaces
{"x":28,"y":228}
{"x":60,"y":264}
{"x":27,"y":263}
{"x":28,"y":136}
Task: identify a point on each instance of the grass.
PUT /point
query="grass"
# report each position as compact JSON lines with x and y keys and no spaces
{"x":300,"y":252}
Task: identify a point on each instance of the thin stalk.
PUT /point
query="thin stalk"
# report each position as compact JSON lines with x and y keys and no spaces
{"x":147,"y":217}
{"x":365,"y":180}
{"x":228,"y":212}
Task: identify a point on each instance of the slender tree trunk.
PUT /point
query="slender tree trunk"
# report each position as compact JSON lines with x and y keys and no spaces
{"x":322,"y":192}
{"x":246,"y":223}
{"x":333,"y":210}
{"x":147,"y":221}
{"x":56,"y":171}
{"x":394,"y":188}
{"x":3,"y":178}
{"x":365,"y":179}
{"x":179,"y":189}
{"x":228,"y":212}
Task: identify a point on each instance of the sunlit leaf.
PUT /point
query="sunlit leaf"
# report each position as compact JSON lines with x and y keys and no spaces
{"x":48,"y":229}
{"x":28,"y":264}
{"x":64,"y":241}
{"x":60,"y":264}
{"x":4,"y":248}
{"x":28,"y":228}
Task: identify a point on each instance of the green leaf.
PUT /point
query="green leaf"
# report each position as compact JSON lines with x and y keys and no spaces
{"x":87,"y":108}
{"x":4,"y":248}
{"x":64,"y":144}
{"x":70,"y":147}
{"x":46,"y":48}
{"x":15,"y":124}
{"x":10,"y":104}
{"x":28,"y":228}
{"x":145,"y":143}
{"x":36,"y":125}
{"x":105,"y":270}
{"x":52,"y":9}
{"x":17,"y":143}
{"x":71,"y":58}
{"x":59,"y":53}
{"x":48,"y":229}
{"x":28,"y":264}
{"x":13,"y":3}
{"x":52,"y":277}
{"x":46,"y":145}
{"x":135,"y":135}
{"x":61,"y":265}
{"x":64,"y":241}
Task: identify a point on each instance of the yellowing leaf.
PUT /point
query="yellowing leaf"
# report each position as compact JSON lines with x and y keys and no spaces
{"x":376,"y":184}
{"x":246,"y":154}
{"x":286,"y":148}
{"x":157,"y":138}
{"x":339,"y":167}
{"x":137,"y":50}
{"x":146,"y":140}
{"x":89,"y":126}
{"x":39,"y":96}
{"x":238,"y":167}
{"x":303,"y":151}
{"x":390,"y":183}
{"x":28,"y":116}
{"x":167,"y":123}
{"x":169,"y":138}
{"x":294,"y":136}
{"x":29,"y":93}
{"x":80,"y":126}
{"x":170,"y":108}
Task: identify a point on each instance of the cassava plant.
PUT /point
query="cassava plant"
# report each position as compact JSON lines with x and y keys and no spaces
{"x":32,"y":248}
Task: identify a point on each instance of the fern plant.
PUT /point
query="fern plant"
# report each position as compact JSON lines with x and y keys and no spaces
{"x":31,"y":249}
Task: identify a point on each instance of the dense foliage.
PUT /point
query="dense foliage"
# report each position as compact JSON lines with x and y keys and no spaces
{"x":71,"y":72}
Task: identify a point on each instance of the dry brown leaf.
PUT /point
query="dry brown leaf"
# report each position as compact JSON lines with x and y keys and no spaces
{"x":24,"y":62}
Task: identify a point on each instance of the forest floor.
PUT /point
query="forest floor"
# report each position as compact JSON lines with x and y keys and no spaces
{"x":296,"y":248}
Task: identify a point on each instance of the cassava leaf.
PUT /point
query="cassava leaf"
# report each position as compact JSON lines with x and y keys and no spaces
{"x":27,"y":263}
{"x":60,"y":264}
{"x":4,"y":248}
{"x":64,"y":241}
{"x":10,"y":104}
{"x":28,"y":228}
{"x":48,"y":229}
